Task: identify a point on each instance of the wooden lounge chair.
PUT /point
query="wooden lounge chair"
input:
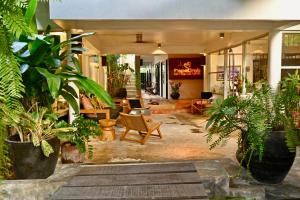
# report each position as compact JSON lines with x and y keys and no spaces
{"x":137,"y":104}
{"x":139,"y":123}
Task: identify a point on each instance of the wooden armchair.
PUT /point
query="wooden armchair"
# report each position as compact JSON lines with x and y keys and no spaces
{"x":199,"y":105}
{"x":138,"y":123}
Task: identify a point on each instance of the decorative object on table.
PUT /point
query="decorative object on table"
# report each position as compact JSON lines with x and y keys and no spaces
{"x":75,"y":143}
{"x":139,"y":123}
{"x":175,"y":86}
{"x":267,"y":130}
{"x":34,"y":148}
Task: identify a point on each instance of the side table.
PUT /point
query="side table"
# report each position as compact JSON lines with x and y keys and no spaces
{"x":108,"y":130}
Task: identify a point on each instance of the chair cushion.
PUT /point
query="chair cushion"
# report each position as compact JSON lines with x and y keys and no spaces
{"x":86,"y":104}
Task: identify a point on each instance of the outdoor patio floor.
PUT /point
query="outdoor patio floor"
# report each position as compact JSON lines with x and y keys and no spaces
{"x":184,"y":138}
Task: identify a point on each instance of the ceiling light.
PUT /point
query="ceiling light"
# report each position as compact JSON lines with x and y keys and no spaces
{"x":159,"y":51}
{"x":222,"y":35}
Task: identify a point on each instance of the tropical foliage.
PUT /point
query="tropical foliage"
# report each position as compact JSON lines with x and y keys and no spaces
{"x":116,"y":74}
{"x":12,"y":24}
{"x":254,"y":117}
{"x":34,"y":69}
{"x":84,"y":129}
{"x":36,"y":125}
{"x":48,"y":69}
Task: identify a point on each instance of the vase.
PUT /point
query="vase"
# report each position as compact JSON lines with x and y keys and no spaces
{"x":175,"y":95}
{"x":276,"y":162}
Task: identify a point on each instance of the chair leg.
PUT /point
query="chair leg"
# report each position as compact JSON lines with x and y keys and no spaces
{"x":159,"y":133}
{"x":145,"y":138}
{"x":124,"y":134}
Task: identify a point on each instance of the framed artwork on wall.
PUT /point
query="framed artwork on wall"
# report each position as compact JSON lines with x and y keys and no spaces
{"x":234,"y":72}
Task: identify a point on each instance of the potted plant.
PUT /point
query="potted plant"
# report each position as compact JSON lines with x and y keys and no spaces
{"x":74,"y":144}
{"x":117,"y":76}
{"x":267,"y":133}
{"x":175,"y":89}
{"x":34,"y":148}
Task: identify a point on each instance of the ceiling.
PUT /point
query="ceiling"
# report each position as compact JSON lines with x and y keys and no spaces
{"x":172,"y":42}
{"x":175,"y":36}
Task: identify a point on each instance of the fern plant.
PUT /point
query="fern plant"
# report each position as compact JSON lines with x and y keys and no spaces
{"x":12,"y":25}
{"x":256,"y":116}
{"x":246,"y":116}
{"x":84,"y":129}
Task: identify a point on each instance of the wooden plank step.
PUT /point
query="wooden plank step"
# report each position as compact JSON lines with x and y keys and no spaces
{"x":138,"y":169}
{"x":134,"y":179}
{"x":143,"y":192}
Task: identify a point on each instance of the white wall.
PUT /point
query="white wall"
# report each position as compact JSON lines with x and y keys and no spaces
{"x":176,"y":9}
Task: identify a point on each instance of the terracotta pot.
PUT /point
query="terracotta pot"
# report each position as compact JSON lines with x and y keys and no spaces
{"x":71,"y":154}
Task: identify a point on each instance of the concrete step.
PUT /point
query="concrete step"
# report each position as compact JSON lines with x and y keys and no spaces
{"x":129,"y":87}
{"x":243,"y":188}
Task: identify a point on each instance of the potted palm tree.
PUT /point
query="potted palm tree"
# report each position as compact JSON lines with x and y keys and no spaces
{"x":268,"y":135}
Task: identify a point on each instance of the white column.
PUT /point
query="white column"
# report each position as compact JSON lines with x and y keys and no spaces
{"x":274,"y":64}
{"x":244,"y":65}
{"x":226,"y":83}
{"x":207,"y":67}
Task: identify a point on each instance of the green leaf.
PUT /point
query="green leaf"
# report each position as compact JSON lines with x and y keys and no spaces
{"x":24,"y":67}
{"x":71,"y":41}
{"x":94,"y":88}
{"x":46,"y":148}
{"x":70,"y":90}
{"x":54,"y":81}
{"x":76,"y":64}
{"x":17,"y":46}
{"x":71,"y":100}
{"x":30,"y":12}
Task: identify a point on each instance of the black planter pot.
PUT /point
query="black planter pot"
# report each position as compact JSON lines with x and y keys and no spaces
{"x":121,"y":93}
{"x":276,"y":162}
{"x":175,"y":95}
{"x":29,"y":162}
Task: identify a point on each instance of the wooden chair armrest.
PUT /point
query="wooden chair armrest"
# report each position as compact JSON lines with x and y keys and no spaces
{"x":195,"y":100}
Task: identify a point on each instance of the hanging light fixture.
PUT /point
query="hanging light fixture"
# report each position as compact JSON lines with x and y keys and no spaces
{"x":158,"y":51}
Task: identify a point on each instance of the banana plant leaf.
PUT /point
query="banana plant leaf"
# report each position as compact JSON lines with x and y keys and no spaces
{"x":47,"y":71}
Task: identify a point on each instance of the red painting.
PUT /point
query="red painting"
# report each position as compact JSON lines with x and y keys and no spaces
{"x":186,"y":68}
